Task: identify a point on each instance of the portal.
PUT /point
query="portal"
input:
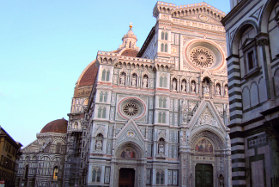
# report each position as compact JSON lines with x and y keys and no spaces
{"x":126,"y":177}
{"x":204,"y":175}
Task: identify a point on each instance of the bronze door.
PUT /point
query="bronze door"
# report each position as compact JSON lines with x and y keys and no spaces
{"x":204,"y":175}
{"x":126,"y":177}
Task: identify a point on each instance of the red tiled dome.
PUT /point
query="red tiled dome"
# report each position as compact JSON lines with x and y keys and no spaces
{"x":88,"y":77}
{"x":58,"y":126}
{"x":130,"y":52}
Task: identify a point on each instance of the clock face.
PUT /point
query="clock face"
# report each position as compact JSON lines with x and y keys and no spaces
{"x":203,"y":55}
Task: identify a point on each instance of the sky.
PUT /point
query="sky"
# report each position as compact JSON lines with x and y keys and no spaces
{"x":46,"y":44}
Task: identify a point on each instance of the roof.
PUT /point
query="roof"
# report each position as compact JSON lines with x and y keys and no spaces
{"x":57,"y":126}
{"x":88,"y":76}
{"x":130,"y":52}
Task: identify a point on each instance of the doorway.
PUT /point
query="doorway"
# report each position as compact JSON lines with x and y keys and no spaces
{"x":204,"y":175}
{"x":126,"y":177}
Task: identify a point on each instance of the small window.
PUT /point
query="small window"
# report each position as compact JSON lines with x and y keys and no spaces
{"x":165,"y":82}
{"x":166,"y":36}
{"x":166,"y":48}
{"x":160,"y":177}
{"x":250,"y":60}
{"x":96,"y":175}
{"x":162,"y":47}
{"x":161,"y":81}
{"x":162,"y":36}
{"x":108,"y":73}
{"x":173,"y":177}
{"x":104,"y":75}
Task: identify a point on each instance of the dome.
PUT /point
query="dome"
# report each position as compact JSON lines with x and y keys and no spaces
{"x":130,"y":52}
{"x":88,"y":76}
{"x":130,"y":34}
{"x":57,"y":126}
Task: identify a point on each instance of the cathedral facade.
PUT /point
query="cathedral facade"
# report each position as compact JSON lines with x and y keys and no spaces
{"x":155,"y":116}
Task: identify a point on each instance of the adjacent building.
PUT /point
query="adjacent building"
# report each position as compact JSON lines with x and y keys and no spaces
{"x":9,"y":151}
{"x":252,"y":28}
{"x":42,"y":161}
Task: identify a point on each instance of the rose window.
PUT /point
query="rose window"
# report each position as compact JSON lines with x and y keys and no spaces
{"x":131,"y":108}
{"x":202,"y":57}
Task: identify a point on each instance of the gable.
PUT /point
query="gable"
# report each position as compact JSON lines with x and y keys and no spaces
{"x":206,"y":116}
{"x":130,"y":133}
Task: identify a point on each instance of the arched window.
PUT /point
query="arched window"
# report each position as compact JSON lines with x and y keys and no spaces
{"x":162,"y":35}
{"x":166,"y":47}
{"x":26,"y":171}
{"x":160,"y":102}
{"x":108,"y":74}
{"x":96,"y":174}
{"x":160,"y":117}
{"x":164,"y":103}
{"x":162,"y":47}
{"x":163,"y":117}
{"x":99,"y":112}
{"x":104,"y":112}
{"x":166,"y":36}
{"x":101,"y":97}
{"x":104,"y":75}
{"x":99,"y":142}
{"x":160,"y":177}
{"x":105,"y":97}
{"x":165,"y":82}
{"x":55,"y":173}
{"x":161,"y":81}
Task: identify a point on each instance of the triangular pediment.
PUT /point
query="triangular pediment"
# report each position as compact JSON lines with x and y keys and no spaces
{"x":130,"y":133}
{"x":206,"y":116}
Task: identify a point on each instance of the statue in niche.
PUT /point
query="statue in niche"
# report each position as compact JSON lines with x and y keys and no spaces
{"x":174,"y":84}
{"x":99,"y":143}
{"x":134,"y":80}
{"x":161,"y":146}
{"x":183,"y":86}
{"x":145,"y":81}
{"x":221,"y":180}
{"x":193,"y":87}
{"x":205,"y":88}
{"x":122,"y":79}
{"x":226,"y":90}
{"x":218,"y":89}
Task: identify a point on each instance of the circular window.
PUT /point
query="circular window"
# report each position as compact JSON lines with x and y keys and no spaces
{"x":204,"y":55}
{"x":131,"y":107}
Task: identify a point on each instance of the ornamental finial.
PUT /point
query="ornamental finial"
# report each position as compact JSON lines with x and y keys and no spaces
{"x":131,"y":25}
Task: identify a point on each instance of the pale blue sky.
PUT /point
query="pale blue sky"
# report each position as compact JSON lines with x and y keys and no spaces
{"x":45,"y":45}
